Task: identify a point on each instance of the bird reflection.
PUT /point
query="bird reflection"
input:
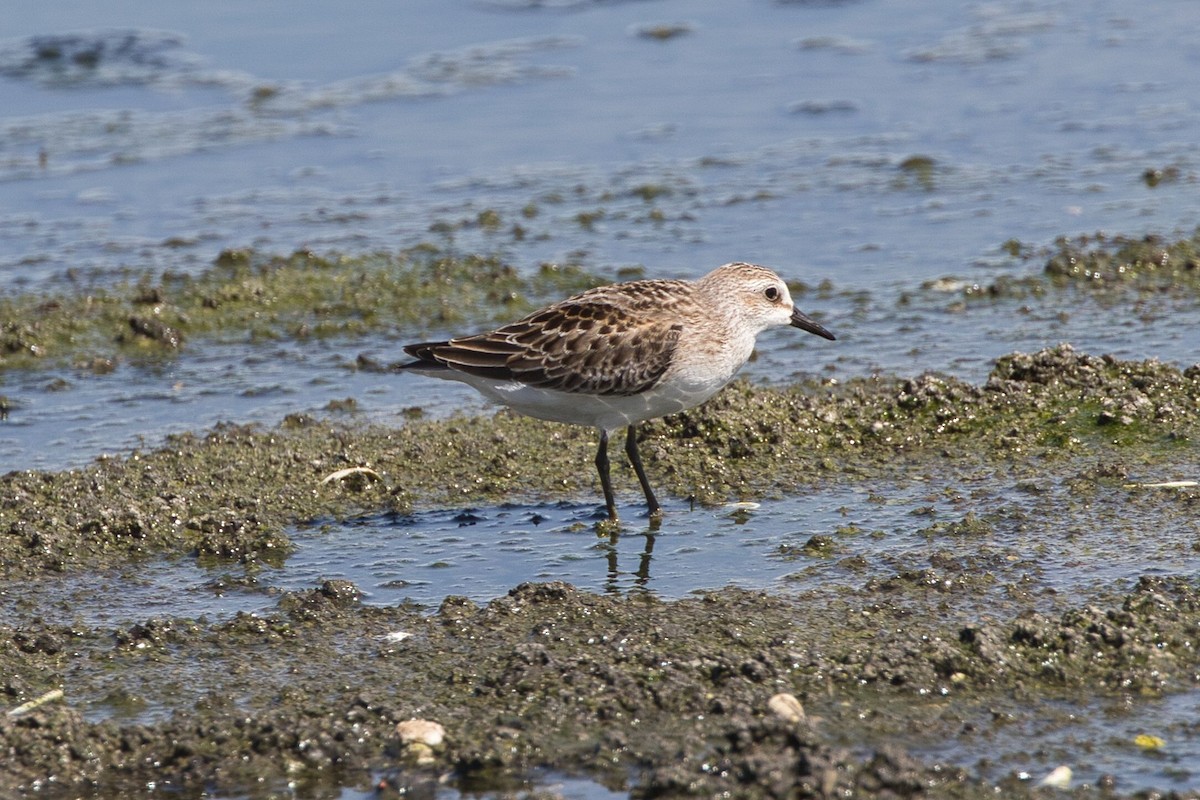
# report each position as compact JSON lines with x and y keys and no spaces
{"x":641,"y":576}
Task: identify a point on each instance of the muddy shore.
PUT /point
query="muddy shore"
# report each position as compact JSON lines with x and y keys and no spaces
{"x":661,"y":698}
{"x":653,"y":697}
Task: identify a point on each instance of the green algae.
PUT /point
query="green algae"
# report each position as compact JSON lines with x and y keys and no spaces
{"x":1153,"y":176}
{"x":664,"y":31}
{"x":1108,"y":269}
{"x":1147,"y":262}
{"x":917,"y":172}
{"x":247,"y":296}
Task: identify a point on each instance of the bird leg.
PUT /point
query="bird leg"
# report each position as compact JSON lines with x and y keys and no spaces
{"x":602,"y":468}
{"x":631,"y":450}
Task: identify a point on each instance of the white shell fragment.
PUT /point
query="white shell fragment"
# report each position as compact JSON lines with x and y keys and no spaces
{"x":1059,"y":778}
{"x":342,"y":474}
{"x":419,"y":737}
{"x":421,"y":731}
{"x":40,"y":700}
{"x":787,"y":707}
{"x":1163,"y":485}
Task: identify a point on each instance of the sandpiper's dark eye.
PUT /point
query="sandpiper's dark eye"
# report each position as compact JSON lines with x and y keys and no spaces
{"x":772,"y":293}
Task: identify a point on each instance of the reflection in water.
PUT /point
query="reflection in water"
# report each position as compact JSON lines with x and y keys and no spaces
{"x":827,"y":540}
{"x":642,"y":574}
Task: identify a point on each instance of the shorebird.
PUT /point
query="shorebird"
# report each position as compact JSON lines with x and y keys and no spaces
{"x":621,"y":354}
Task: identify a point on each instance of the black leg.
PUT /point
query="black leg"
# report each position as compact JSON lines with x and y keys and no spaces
{"x":602,"y":468}
{"x":636,"y":459}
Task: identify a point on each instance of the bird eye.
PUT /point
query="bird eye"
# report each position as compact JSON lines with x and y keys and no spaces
{"x":771,"y":293}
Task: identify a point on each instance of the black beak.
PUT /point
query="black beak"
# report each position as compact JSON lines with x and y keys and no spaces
{"x":806,"y":323}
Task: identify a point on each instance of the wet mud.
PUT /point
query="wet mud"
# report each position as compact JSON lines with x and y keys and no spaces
{"x":843,"y":692}
{"x":669,"y":699}
{"x":654,"y":697}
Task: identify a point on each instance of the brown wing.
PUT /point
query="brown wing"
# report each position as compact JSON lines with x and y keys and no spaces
{"x":581,"y":345}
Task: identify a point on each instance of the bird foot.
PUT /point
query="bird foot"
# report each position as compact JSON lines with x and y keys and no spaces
{"x":608,"y":527}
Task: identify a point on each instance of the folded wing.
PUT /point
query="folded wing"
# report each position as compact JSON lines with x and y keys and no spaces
{"x":581,"y":345}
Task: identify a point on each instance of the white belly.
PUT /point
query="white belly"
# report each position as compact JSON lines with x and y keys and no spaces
{"x":608,"y":412}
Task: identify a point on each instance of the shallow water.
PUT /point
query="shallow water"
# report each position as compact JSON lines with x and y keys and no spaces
{"x":774,"y":132}
{"x":542,"y":782}
{"x":1097,"y":741}
{"x":1063,"y":544}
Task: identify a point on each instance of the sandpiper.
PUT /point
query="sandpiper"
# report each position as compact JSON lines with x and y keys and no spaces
{"x":618,"y":355}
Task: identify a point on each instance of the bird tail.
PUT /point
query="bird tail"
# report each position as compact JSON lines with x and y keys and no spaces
{"x":423,"y":353}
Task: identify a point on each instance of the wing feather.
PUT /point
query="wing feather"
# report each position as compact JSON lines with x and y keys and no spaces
{"x":586,"y":344}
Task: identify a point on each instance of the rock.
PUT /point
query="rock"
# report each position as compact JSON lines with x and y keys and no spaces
{"x":787,"y":707}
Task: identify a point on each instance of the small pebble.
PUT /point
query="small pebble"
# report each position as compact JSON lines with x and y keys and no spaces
{"x":787,"y":707}
{"x":421,"y":731}
{"x":419,"y":737}
{"x":1059,"y":778}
